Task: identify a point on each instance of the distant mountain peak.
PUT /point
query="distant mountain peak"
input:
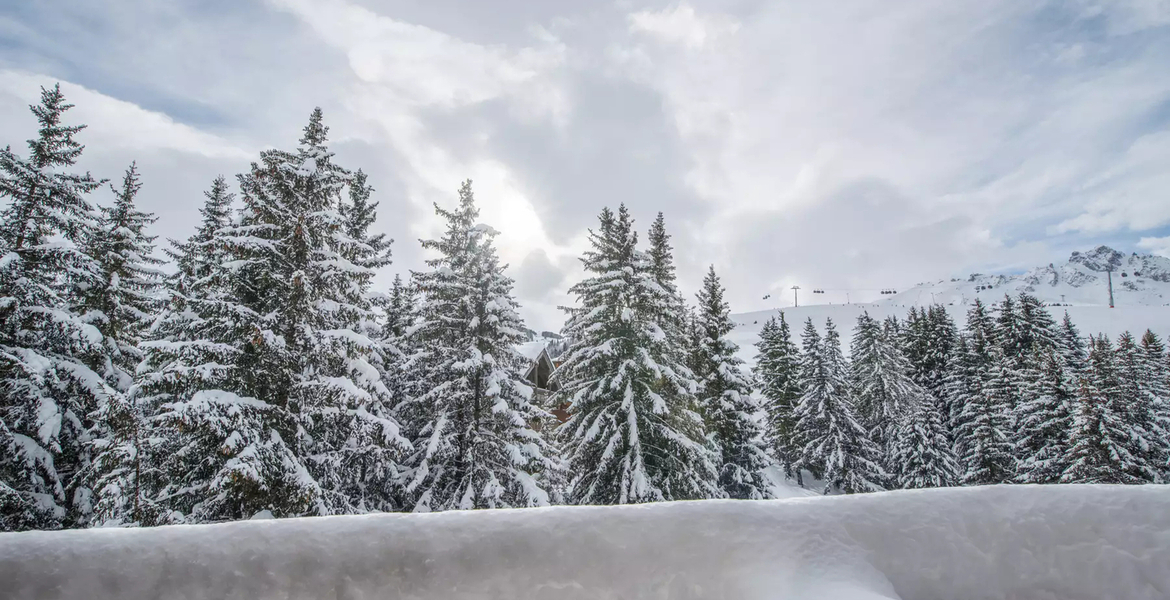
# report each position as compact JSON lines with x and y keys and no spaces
{"x":1101,"y":258}
{"x":1138,"y":280}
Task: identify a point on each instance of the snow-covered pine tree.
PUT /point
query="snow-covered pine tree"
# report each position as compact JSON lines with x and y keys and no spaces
{"x":811,"y":373}
{"x":881,"y":384}
{"x":1038,"y":331}
{"x":47,"y":390}
{"x":725,"y":396}
{"x":892,"y":327}
{"x":921,"y":455}
{"x":399,"y":309}
{"x":196,"y":257}
{"x":937,"y":354}
{"x":475,"y":446}
{"x":1045,"y":421}
{"x":679,"y":321}
{"x":1158,"y":384}
{"x":968,"y":375}
{"x":988,"y":451}
{"x":121,"y":302}
{"x":218,"y":451}
{"x":307,"y":273}
{"x":912,"y":337}
{"x":778,"y":372}
{"x":692,"y":342}
{"x":633,"y":434}
{"x":1071,"y":346}
{"x":1139,"y":406}
{"x":1009,"y":332}
{"x":661,"y":264}
{"x":1100,"y":437}
{"x":837,"y":448}
{"x":1024,"y":332}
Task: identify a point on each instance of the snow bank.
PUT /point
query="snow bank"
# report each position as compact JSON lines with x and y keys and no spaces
{"x":1019,"y":542}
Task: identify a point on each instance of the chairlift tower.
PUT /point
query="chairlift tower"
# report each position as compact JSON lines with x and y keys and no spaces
{"x":1110,"y":278}
{"x":795,"y":298}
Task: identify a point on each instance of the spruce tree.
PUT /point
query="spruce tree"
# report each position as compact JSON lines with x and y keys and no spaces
{"x":1140,"y":406}
{"x":921,"y":455}
{"x":881,"y":384}
{"x":634,"y":434}
{"x":936,"y":353}
{"x":219,"y":451}
{"x":725,"y":395}
{"x":1071,"y":346}
{"x":1045,"y":421}
{"x":836,"y":447}
{"x":48,"y":391}
{"x":1009,"y":333}
{"x":778,"y":372}
{"x":968,"y":376}
{"x":660,"y":259}
{"x":913,"y":337}
{"x":475,"y":446}
{"x":1100,"y":438}
{"x":121,"y":302}
{"x":308,"y":265}
{"x":988,"y":451}
{"x":1038,"y":331}
{"x":399,"y":311}
{"x":1157,"y":383}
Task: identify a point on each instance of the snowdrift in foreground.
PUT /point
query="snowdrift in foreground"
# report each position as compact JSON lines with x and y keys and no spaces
{"x":1017,"y":542}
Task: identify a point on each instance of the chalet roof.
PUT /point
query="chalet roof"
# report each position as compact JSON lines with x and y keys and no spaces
{"x":531,"y":350}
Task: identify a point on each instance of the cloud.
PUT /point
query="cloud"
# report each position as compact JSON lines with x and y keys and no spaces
{"x":1156,"y":245}
{"x":853,"y":242}
{"x":176,"y":162}
{"x":116,"y":124}
{"x":680,"y":24}
{"x":403,"y":71}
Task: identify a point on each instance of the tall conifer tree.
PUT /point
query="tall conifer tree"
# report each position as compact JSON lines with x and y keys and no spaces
{"x":474,"y":443}
{"x":837,"y":448}
{"x":725,"y":395}
{"x":883,"y":390}
{"x":1100,"y":438}
{"x":1045,"y":421}
{"x":48,"y":392}
{"x":778,"y":372}
{"x":309,"y":262}
{"x":121,"y":302}
{"x":633,"y":434}
{"x":1139,"y":404}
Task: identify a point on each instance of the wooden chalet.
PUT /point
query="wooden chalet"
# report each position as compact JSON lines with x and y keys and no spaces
{"x":539,"y":376}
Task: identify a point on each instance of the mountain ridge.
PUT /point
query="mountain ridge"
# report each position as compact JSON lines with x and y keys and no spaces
{"x":1138,"y":279}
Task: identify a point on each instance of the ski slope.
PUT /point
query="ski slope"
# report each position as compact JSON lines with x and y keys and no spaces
{"x":1089,"y":319}
{"x":1019,"y":542}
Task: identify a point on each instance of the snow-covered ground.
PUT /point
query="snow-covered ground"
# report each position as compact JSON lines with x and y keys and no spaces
{"x":1019,"y":542}
{"x":1089,"y":319}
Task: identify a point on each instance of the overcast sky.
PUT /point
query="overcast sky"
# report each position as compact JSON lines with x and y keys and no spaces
{"x":845,"y":145}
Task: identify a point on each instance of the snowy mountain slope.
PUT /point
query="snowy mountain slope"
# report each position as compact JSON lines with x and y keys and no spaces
{"x":1089,"y":319}
{"x":1020,"y":542}
{"x":1138,"y":280}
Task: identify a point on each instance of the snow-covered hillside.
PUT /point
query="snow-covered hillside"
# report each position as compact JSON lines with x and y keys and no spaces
{"x":1020,"y":542}
{"x":1138,"y":280}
